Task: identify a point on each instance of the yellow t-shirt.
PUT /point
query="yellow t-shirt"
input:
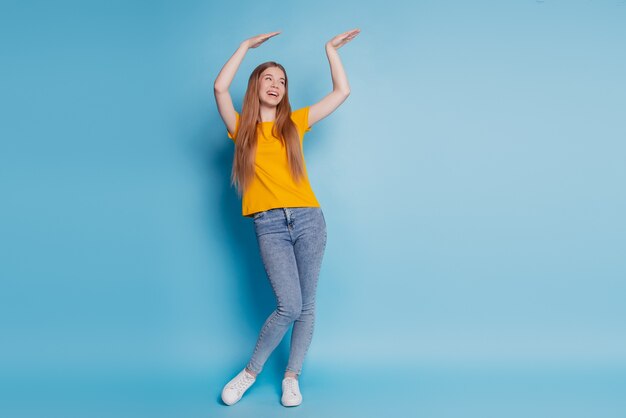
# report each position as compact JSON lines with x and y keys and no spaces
{"x":273,"y":186}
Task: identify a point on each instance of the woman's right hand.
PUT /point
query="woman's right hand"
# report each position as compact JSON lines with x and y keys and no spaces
{"x":259,"y":39}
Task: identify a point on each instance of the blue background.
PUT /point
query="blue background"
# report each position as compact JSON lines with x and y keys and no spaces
{"x":472,"y":184}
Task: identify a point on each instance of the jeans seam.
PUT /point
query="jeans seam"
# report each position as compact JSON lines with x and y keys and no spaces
{"x":267,"y":325}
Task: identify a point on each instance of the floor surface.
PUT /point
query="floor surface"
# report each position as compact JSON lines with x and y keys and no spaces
{"x":417,"y":392}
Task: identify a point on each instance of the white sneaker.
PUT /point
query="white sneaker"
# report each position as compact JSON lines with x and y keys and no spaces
{"x":291,"y":392}
{"x":234,"y":390}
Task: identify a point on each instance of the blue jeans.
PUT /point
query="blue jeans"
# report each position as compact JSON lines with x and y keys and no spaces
{"x":292,"y":243}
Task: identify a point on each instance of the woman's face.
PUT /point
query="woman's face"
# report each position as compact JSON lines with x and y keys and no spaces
{"x":271,"y":86}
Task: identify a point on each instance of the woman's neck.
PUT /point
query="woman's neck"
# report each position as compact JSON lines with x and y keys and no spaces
{"x":268,"y":113}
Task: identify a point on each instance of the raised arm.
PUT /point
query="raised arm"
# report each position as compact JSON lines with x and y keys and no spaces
{"x":225,"y":78}
{"x":341,"y":88}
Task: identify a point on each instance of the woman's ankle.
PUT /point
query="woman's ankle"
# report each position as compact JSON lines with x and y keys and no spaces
{"x":291,"y":374}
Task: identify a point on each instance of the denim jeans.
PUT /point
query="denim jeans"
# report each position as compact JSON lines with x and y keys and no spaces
{"x":292,"y":243}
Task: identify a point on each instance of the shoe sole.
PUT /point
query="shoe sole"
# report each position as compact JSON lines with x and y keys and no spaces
{"x":231,"y":403}
{"x":289,"y":404}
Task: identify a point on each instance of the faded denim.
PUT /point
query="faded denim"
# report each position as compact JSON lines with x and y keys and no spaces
{"x":292,"y":243}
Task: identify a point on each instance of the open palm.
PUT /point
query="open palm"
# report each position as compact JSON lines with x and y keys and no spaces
{"x":259,"y":39}
{"x":343,"y":38}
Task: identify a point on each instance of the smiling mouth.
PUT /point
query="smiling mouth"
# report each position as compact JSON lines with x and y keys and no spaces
{"x":272,"y":93}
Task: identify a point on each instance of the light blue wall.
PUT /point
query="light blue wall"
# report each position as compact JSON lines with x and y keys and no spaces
{"x":473,"y":184}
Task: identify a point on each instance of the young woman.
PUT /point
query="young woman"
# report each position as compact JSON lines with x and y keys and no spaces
{"x":269,"y":170}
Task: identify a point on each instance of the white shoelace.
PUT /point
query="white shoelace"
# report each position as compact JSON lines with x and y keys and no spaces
{"x":292,"y":387}
{"x":242,"y":383}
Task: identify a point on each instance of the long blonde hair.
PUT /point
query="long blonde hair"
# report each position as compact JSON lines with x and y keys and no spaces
{"x":246,"y":140}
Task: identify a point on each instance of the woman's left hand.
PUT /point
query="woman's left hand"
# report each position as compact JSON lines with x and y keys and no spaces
{"x":342,"y":39}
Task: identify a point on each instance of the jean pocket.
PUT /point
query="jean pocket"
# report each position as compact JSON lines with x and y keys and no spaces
{"x":259,"y":215}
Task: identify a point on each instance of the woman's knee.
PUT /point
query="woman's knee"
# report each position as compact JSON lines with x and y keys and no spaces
{"x":291,"y":310}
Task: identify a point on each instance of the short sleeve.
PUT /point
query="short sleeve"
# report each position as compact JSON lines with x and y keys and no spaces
{"x":236,"y":128}
{"x":301,"y":119}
